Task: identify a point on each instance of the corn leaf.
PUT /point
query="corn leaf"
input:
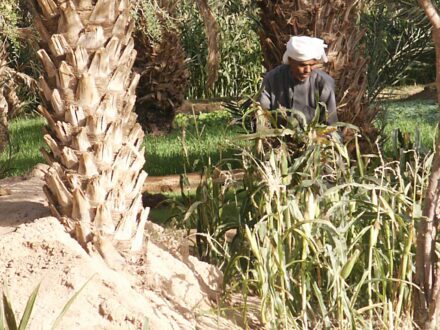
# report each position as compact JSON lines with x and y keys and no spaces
{"x":69,"y":303}
{"x":324,"y":312}
{"x":9,"y":313}
{"x":28,"y":309}
{"x":2,"y":324}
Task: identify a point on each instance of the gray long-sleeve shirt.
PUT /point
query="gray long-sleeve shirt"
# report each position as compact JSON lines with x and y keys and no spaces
{"x":281,"y":89}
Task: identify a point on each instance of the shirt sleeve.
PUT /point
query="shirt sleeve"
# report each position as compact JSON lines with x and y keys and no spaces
{"x":265,"y":98}
{"x":328,"y":97}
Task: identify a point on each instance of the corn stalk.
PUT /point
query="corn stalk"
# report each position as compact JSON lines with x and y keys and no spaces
{"x":322,"y":241}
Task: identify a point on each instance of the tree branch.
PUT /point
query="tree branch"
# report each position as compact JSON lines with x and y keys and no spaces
{"x":431,"y":12}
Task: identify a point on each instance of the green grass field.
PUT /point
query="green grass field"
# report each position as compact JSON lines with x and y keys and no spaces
{"x":209,"y":137}
{"x":409,"y":116}
{"x":26,"y":141}
{"x":190,"y":144}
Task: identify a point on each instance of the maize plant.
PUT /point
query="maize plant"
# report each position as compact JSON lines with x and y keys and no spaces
{"x":324,"y":242}
{"x":321,"y":240}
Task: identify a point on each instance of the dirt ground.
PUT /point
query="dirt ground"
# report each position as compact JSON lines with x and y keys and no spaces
{"x":164,"y":287}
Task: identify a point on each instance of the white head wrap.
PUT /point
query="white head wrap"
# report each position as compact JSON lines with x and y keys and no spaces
{"x":305,"y":49}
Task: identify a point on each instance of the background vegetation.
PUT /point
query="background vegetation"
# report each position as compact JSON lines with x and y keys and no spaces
{"x":400,"y":50}
{"x":241,"y":67}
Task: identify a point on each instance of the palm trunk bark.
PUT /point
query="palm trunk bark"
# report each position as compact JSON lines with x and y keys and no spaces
{"x":95,"y":155}
{"x":4,"y":132}
{"x":164,"y":77}
{"x":212,"y":31}
{"x":427,"y":302}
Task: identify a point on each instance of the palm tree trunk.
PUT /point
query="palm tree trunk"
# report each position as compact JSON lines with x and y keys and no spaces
{"x":427,"y":302}
{"x":163,"y":67}
{"x":95,"y":155}
{"x":163,"y":64}
{"x":212,"y":32}
{"x":4,"y":132}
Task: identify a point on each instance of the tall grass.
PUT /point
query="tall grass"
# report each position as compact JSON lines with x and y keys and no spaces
{"x":322,"y":240}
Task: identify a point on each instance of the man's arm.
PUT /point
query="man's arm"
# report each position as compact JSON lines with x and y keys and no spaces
{"x":265,"y":97}
{"x":329,"y":98}
{"x":332,"y":114}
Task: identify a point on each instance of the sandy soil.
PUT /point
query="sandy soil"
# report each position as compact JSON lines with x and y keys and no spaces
{"x":409,"y":92}
{"x":165,"y":287}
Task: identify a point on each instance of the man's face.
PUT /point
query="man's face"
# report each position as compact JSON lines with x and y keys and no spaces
{"x":301,"y":70}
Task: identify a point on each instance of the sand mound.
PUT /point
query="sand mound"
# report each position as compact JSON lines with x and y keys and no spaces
{"x":165,"y":288}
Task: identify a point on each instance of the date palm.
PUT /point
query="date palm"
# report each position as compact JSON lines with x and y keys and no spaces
{"x":162,"y":61}
{"x":13,"y":28}
{"x":10,"y":83}
{"x":164,"y":79}
{"x":335,"y":22}
{"x":95,"y":155}
{"x":427,"y":300}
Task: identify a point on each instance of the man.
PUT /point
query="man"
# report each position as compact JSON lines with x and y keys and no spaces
{"x":297,"y":84}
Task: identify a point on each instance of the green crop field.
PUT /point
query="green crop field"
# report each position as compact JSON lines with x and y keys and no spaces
{"x":194,"y":140}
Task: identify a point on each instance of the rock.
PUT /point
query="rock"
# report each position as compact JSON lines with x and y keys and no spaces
{"x":5,"y":191}
{"x":39,"y":171}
